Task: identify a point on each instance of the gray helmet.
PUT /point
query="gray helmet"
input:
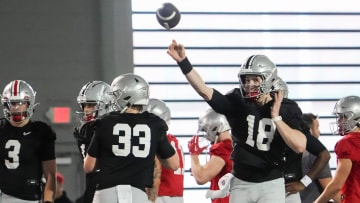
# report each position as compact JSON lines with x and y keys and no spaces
{"x":347,"y":111}
{"x":98,"y":93}
{"x":129,"y":89}
{"x":280,"y":84}
{"x":262,"y":66}
{"x":212,"y":124}
{"x":18,"y":91}
{"x":159,"y":108}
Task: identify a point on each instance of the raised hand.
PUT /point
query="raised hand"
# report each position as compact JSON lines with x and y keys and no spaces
{"x":176,"y":51}
{"x":275,"y":110}
{"x":194,"y":147}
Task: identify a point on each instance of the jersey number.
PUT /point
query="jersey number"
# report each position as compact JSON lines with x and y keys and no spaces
{"x":265,"y":134}
{"x":181,"y":169}
{"x":13,"y":155}
{"x":125,"y":141}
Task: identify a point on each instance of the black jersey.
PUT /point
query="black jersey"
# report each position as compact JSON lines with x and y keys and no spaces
{"x":125,"y":146}
{"x":293,"y":164}
{"x":22,"y":150}
{"x":259,"y":149}
{"x":83,"y":138}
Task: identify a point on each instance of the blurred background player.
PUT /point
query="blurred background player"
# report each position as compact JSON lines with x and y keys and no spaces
{"x":217,"y":131}
{"x":171,"y":187}
{"x":312,"y":191}
{"x":262,"y":126}
{"x":125,"y":144}
{"x":347,"y":176}
{"x":60,"y":195}
{"x":94,"y":101}
{"x":27,"y":148}
{"x":294,"y":179}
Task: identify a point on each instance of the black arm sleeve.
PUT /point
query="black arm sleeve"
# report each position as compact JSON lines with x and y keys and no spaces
{"x":313,"y":145}
{"x":220,"y":103}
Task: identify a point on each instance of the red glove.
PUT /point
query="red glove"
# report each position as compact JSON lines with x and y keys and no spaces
{"x":193,"y":145}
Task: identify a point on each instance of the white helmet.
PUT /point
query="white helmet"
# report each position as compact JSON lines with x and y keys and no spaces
{"x":159,"y":108}
{"x":212,"y":124}
{"x":129,"y":89}
{"x":262,"y":66}
{"x":347,"y":111}
{"x":18,"y":91}
{"x":97,"y":93}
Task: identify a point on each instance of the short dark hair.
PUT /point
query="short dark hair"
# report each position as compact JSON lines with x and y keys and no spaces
{"x":309,"y":118}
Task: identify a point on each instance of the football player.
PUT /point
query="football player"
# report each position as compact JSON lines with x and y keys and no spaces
{"x":314,"y":189}
{"x":125,"y":144}
{"x":294,"y":181}
{"x":216,"y":130}
{"x":94,"y":101}
{"x":27,"y":148}
{"x":171,"y":184}
{"x":347,"y":176}
{"x":262,"y":126}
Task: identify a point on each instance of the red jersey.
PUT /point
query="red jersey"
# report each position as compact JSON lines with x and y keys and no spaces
{"x":348,"y":148}
{"x":223,"y":150}
{"x":172,"y":182}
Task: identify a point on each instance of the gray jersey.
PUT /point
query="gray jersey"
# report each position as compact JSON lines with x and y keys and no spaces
{"x":310,"y":193}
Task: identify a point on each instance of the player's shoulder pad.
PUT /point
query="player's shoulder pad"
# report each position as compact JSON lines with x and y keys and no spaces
{"x":43,"y":129}
{"x":291,"y":106}
{"x":233,"y":91}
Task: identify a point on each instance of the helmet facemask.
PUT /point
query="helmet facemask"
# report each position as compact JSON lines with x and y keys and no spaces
{"x":344,"y":124}
{"x":94,"y":95}
{"x":211,"y":125}
{"x":18,"y":93}
{"x":261,"y":66}
{"x":347,"y":111}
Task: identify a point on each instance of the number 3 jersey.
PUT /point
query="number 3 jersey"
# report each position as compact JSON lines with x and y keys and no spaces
{"x":125,"y":146}
{"x":258,"y":153}
{"x":22,"y":150}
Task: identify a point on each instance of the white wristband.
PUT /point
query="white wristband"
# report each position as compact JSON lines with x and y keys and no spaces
{"x":276,"y":118}
{"x":306,"y":180}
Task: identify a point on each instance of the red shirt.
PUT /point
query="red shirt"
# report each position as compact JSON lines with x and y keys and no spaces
{"x":349,"y":148}
{"x":223,"y":150}
{"x":172,"y":182}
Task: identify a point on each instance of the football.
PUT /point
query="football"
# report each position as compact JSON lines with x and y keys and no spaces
{"x":168,"y":16}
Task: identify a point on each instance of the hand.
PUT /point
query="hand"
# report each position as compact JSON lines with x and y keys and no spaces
{"x":193,"y":145}
{"x":294,"y":187}
{"x":275,"y":110}
{"x":224,"y":187}
{"x":176,"y":51}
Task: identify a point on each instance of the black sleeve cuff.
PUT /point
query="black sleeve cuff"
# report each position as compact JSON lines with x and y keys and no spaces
{"x":185,"y":66}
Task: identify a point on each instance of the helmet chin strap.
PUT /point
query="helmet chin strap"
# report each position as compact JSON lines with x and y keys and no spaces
{"x":253,"y":96}
{"x":18,"y":116}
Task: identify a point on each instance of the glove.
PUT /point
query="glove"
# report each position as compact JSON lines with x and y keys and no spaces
{"x":193,"y":145}
{"x":224,"y":187}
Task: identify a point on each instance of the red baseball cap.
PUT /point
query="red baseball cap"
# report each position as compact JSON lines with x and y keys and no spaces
{"x":59,"y":177}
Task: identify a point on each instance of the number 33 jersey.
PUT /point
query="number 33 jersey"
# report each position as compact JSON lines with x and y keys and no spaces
{"x":125,"y":146}
{"x":22,"y":150}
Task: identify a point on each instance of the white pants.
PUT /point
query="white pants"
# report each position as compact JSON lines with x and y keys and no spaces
{"x":120,"y":194}
{"x":4,"y":198}
{"x":272,"y":191}
{"x":168,"y":199}
{"x":293,"y":198}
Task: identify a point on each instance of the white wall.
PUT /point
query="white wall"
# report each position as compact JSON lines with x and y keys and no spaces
{"x":316,"y":45}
